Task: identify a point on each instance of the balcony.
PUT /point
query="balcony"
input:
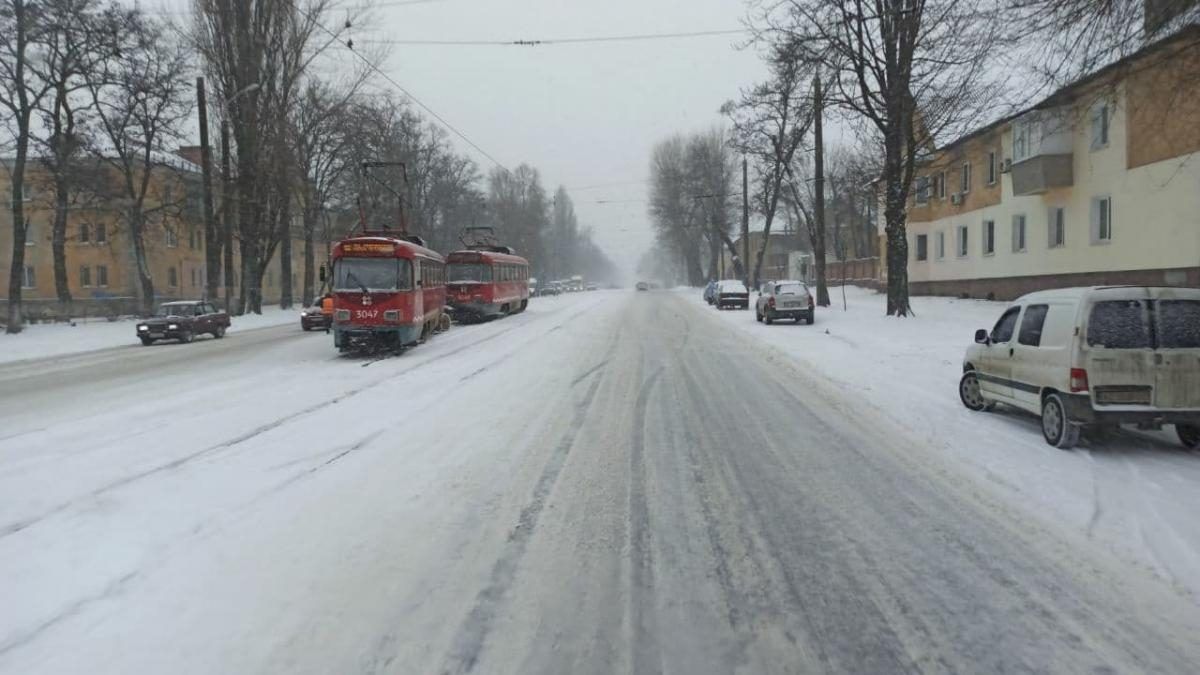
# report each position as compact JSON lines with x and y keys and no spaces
{"x":1042,"y":158}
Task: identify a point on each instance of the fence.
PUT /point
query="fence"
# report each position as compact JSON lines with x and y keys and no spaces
{"x":861,"y":271}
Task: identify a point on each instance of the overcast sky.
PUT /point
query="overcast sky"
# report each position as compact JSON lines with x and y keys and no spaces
{"x":583,"y":114}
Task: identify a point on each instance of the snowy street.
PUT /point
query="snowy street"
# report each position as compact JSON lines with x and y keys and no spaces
{"x":610,"y":482}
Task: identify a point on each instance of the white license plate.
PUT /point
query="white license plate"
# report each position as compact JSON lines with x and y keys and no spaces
{"x":157,"y":335}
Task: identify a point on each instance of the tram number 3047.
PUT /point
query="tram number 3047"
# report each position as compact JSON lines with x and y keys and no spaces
{"x":366,"y":313}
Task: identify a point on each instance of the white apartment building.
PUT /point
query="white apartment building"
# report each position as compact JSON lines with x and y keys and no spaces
{"x":1097,"y":184}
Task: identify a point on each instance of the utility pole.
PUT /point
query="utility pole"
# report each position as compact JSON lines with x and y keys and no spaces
{"x":819,"y":197}
{"x":212,"y":241}
{"x":227,"y":215}
{"x":745,"y":222}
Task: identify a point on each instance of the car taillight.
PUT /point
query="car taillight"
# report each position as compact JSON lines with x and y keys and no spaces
{"x":810,"y":301}
{"x":770,"y":302}
{"x":1079,"y":381}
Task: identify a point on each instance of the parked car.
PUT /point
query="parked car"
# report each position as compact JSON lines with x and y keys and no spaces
{"x":183,"y":321}
{"x":313,"y":317}
{"x":710,"y":292}
{"x":1101,"y":356}
{"x":732,"y":293}
{"x":784,"y":300}
{"x":643,"y":286}
{"x":592,"y":287}
{"x":533,"y":287}
{"x":550,"y":288}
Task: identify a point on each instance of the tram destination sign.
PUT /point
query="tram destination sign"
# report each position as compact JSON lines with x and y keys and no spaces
{"x":368,"y":248}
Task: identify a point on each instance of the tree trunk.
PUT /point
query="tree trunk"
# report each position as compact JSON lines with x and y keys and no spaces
{"x":141,"y":263}
{"x":897,"y":241}
{"x":310,"y":228}
{"x":59,"y":243}
{"x":227,"y":217}
{"x":16,"y":273}
{"x":285,"y":254}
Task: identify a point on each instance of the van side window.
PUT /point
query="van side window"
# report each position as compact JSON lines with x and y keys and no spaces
{"x":1119,"y":324}
{"x":1031,"y":325}
{"x":1178,"y":324}
{"x":1003,"y":331}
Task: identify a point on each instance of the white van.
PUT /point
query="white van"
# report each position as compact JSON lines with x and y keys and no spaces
{"x":1103,"y":355}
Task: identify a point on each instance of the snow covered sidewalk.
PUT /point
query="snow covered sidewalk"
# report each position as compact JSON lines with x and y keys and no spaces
{"x":1138,"y":492}
{"x":39,"y":341}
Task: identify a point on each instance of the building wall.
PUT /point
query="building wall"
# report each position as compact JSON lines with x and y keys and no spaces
{"x":1156,"y":216}
{"x":183,"y":251}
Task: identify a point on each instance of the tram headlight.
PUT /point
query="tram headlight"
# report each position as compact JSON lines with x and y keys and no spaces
{"x":342,"y":315}
{"x":392,"y":315}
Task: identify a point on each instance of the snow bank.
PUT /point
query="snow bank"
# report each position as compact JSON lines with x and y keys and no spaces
{"x":1136,"y":491}
{"x":40,"y":341}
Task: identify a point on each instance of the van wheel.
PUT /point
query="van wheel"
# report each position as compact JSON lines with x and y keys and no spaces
{"x":1056,"y":428}
{"x":1189,"y":435}
{"x":971,"y":395}
{"x":220,"y":332}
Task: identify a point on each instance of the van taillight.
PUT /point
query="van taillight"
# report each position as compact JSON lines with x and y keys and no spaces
{"x":770,"y":302}
{"x":1079,"y":380}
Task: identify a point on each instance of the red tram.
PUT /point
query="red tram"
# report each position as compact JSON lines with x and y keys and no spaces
{"x":484,"y":284}
{"x":389,"y":292}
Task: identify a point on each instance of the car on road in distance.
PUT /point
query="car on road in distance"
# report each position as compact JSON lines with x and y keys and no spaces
{"x":1097,"y":356}
{"x":710,"y":292}
{"x":533,"y":287}
{"x":313,"y":318}
{"x":592,"y":287}
{"x":643,"y":286}
{"x":183,"y":321}
{"x":784,"y":300}
{"x":732,"y":293}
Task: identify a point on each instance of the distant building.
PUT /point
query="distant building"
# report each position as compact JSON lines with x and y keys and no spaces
{"x":775,"y":258}
{"x":99,"y":251}
{"x":1097,"y":184}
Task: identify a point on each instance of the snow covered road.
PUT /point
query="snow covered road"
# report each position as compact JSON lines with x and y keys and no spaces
{"x":610,"y":482}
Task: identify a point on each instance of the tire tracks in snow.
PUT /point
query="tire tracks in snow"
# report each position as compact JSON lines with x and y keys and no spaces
{"x":644,"y":641}
{"x":472,"y":633}
{"x":26,"y":523}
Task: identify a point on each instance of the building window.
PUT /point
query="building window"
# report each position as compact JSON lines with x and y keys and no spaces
{"x":922,"y":247}
{"x":939,"y":185}
{"x":172,"y":238}
{"x":101,"y":233}
{"x":85,"y":233}
{"x":923,"y":189}
{"x":1018,"y":233}
{"x":85,"y":276}
{"x":962,"y":249}
{"x":941,"y":245}
{"x":1057,"y":224}
{"x":1100,"y":120}
{"x":991,"y":168}
{"x":193,"y":274}
{"x":172,"y":277}
{"x":1102,"y":226}
{"x":29,"y":240}
{"x":29,"y":279}
{"x":1022,"y":140}
{"x":964,"y":181}
{"x":192,"y":238}
{"x":101,"y":276}
{"x":989,"y":237}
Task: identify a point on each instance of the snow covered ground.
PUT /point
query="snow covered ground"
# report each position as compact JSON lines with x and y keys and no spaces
{"x":45,"y":340}
{"x":1139,"y":492}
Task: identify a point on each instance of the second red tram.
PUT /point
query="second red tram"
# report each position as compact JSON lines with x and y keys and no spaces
{"x":388,"y":292}
{"x":486,"y":284}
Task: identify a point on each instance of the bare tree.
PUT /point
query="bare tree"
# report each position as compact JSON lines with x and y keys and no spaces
{"x":770,"y":122}
{"x":21,"y":93}
{"x":141,"y":98}
{"x":676,"y":214}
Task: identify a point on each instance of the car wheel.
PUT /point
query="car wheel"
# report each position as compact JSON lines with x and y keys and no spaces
{"x":971,"y":395}
{"x":220,"y":332}
{"x":186,"y":337}
{"x":305,"y":328}
{"x":1056,"y":428}
{"x":146,"y":342}
{"x":1189,"y":435}
{"x":758,"y":316}
{"x":768,"y":320}
{"x":810,"y":319}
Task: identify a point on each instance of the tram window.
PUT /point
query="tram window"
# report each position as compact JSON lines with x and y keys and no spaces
{"x":469,"y":272}
{"x":376,"y":274}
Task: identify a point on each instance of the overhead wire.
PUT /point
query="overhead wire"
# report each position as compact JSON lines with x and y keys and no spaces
{"x":561,"y":41}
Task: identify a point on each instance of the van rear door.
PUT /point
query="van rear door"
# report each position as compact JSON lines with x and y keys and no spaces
{"x":1177,"y":338}
{"x":1118,"y":348}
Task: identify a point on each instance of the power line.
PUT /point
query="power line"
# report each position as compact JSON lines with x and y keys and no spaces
{"x":561,"y":41}
{"x":398,"y":86}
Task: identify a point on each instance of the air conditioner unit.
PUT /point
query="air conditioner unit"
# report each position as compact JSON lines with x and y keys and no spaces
{"x":1006,"y":166}
{"x":956,"y":198}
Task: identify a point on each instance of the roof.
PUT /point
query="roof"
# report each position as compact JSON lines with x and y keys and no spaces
{"x":1067,"y":92}
{"x":492,"y":256}
{"x":1080,"y":292}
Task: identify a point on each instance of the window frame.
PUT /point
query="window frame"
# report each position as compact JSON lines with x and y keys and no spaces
{"x":85,"y":276}
{"x":992,"y":173}
{"x":921,"y":190}
{"x":921,"y":248}
{"x":1101,"y":116}
{"x":101,"y":276}
{"x":1056,"y":226}
{"x":988,"y":237}
{"x":940,"y":245}
{"x":1024,"y":230}
{"x":1022,"y":330}
{"x":964,"y":178}
{"x":1015,"y":312}
{"x":85,"y":234}
{"x":1102,"y":221}
{"x":101,"y":232}
{"x":962,"y":247}
{"x":29,"y":278}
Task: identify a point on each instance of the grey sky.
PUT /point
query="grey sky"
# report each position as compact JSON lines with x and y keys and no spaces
{"x":583,"y":114}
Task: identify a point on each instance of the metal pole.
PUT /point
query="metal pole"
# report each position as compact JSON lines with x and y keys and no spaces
{"x":227,"y":215}
{"x":745,"y":222}
{"x":212,"y":251}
